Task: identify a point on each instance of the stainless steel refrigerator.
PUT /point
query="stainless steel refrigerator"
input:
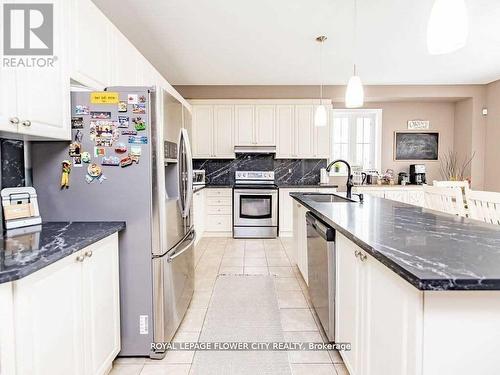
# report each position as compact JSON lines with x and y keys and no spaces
{"x":150,"y":189}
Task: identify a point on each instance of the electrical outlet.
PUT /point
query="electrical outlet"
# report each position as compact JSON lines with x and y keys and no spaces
{"x":143,"y":324}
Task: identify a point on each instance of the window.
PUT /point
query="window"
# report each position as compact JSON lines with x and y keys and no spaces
{"x":356,"y":138}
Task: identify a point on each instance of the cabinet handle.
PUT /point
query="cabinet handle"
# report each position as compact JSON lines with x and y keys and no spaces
{"x":14,"y":120}
{"x":362,"y":256}
{"x":80,"y":258}
{"x":356,"y":253}
{"x":26,"y":123}
{"x":88,"y":254}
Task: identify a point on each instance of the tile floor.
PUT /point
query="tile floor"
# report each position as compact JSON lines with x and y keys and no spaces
{"x":215,"y":256}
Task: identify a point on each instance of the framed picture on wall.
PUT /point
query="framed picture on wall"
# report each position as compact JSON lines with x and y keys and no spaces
{"x":416,"y":146}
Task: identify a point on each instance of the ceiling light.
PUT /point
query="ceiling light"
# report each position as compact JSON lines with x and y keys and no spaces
{"x":320,"y":116}
{"x":448,"y":27}
{"x":354,"y":94}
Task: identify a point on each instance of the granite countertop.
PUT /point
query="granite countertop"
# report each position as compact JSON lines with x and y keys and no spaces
{"x":429,"y":249}
{"x":42,"y":245}
{"x":315,"y":186}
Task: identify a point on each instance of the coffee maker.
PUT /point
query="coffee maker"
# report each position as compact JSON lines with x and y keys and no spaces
{"x":417,"y":174}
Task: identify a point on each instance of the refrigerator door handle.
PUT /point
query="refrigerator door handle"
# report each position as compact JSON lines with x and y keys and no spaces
{"x":189,"y":167}
{"x":170,"y":258}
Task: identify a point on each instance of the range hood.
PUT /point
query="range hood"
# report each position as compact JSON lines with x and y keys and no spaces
{"x":255,"y":149}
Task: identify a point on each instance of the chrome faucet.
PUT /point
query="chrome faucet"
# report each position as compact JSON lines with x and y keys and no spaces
{"x":349,"y":183}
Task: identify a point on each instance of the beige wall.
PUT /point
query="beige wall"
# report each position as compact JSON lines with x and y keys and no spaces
{"x":492,"y":156}
{"x":400,"y":103}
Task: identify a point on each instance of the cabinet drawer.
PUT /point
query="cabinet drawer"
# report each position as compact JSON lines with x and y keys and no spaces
{"x":219,"y":223}
{"x":219,"y":192}
{"x":219,"y":210}
{"x":222,"y":201}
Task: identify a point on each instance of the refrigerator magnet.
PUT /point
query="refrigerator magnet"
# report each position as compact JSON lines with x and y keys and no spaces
{"x":86,"y":157}
{"x":142,"y":99}
{"x":111,"y":161}
{"x":75,"y":149}
{"x":139,"y":109}
{"x":139,"y":123}
{"x":134,"y":158}
{"x":99,"y":151}
{"x":138,"y":140}
{"x":132,"y":99}
{"x":135,"y":150}
{"x":78,"y":136}
{"x":76,"y":122}
{"x":123,"y":121}
{"x":126,"y":161}
{"x":121,"y":148}
{"x":100,"y":115}
{"x":77,"y":162}
{"x":129,"y":132}
{"x":94,"y":170}
{"x":66,"y":170}
{"x":81,"y":110}
{"x":122,"y":106}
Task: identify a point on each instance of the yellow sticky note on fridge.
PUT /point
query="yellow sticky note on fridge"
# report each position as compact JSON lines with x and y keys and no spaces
{"x":104,"y":97}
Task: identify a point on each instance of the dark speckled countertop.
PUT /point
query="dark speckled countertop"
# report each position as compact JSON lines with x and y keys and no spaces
{"x":42,"y":245}
{"x":284,"y":186}
{"x":429,"y":249}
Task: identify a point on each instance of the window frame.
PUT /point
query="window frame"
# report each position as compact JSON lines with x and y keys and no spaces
{"x":377,"y":113}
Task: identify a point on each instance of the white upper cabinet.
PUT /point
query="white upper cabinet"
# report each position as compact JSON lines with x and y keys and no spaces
{"x":265,"y":125}
{"x":285,"y":130}
{"x":322,"y":140}
{"x":91,"y":45}
{"x":223,"y":131}
{"x":125,"y":61}
{"x":203,"y":122}
{"x":9,"y":120}
{"x":304,"y":118}
{"x":245,"y":129}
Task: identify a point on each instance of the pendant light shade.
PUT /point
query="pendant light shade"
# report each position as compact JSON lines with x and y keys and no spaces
{"x":354,"y":95}
{"x":320,"y":116}
{"x":448,"y":27}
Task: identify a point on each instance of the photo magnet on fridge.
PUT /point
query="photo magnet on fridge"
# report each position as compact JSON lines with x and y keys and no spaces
{"x":129,"y":132}
{"x":122,"y":106}
{"x":81,"y":110}
{"x":121,"y":148}
{"x":139,"y":109}
{"x":139,"y":123}
{"x":77,"y":123}
{"x":86,"y":157}
{"x":138,"y":140}
{"x":99,"y":151}
{"x":123,"y":121}
{"x":142,"y":99}
{"x":135,"y":150}
{"x":77,"y":162}
{"x":100,"y":115}
{"x":75,"y":149}
{"x":111,"y":160}
{"x":132,"y":99}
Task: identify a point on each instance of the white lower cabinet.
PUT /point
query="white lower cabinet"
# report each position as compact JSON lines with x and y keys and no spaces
{"x":199,"y":210}
{"x":406,"y":194}
{"x":378,"y":313}
{"x":67,"y":315}
{"x":218,"y":212}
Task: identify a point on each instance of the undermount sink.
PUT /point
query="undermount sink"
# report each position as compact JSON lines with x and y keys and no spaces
{"x":328,"y":198}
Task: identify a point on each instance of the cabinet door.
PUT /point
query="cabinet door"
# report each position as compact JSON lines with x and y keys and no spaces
{"x":322,"y":140}
{"x":392,"y":312}
{"x":199,"y":213}
{"x":223,"y":131}
{"x":347,"y":303}
{"x":102,"y":305}
{"x":44,"y":94}
{"x":203,"y":120}
{"x":286,"y":211}
{"x":125,"y":61}
{"x":416,"y":198}
{"x":304,"y":116}
{"x":48,"y":317}
{"x":8,"y":101}
{"x":397,"y":195}
{"x":265,"y":125}
{"x":300,"y":238}
{"x":245,"y":125}
{"x":90,"y":44}
{"x":285,"y":131}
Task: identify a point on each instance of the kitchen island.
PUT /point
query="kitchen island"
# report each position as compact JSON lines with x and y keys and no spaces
{"x":59,"y":298}
{"x":417,"y":291}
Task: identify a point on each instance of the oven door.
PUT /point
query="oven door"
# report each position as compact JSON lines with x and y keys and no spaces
{"x":255,"y":207}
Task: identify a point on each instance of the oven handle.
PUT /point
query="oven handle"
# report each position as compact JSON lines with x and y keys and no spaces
{"x":256,"y":192}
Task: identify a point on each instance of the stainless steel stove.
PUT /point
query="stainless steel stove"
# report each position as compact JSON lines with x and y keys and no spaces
{"x":255,"y":205}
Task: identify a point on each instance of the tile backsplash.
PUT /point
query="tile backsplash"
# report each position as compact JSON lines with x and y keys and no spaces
{"x":12,"y":162}
{"x":287,"y":171}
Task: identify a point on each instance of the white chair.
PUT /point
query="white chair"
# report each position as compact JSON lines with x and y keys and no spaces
{"x":484,"y":206}
{"x":461,"y":184}
{"x":444,"y":199}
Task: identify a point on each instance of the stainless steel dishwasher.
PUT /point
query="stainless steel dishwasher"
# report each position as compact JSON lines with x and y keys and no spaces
{"x":321,"y":271}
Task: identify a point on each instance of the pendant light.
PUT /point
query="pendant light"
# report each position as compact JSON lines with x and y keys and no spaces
{"x":320,"y":116}
{"x":354,"y":95}
{"x":448,"y":27}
